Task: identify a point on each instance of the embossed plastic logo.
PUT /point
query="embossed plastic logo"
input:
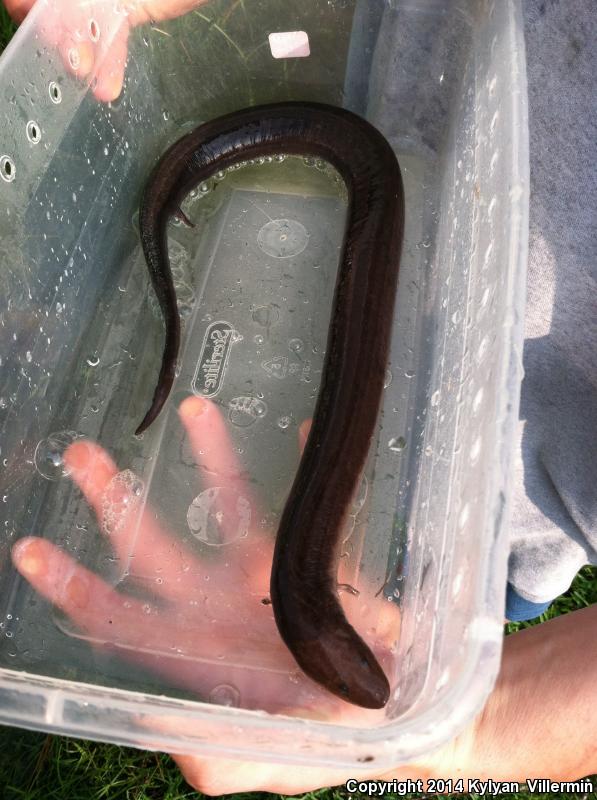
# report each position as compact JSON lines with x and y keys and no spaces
{"x":213,"y":361}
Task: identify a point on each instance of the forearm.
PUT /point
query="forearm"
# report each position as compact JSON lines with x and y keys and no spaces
{"x":540,"y":720}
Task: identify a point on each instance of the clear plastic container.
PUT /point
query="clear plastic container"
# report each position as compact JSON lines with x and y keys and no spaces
{"x":81,"y":341}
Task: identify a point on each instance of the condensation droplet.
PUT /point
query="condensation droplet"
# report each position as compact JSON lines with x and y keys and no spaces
{"x":93,"y":360}
{"x":463,"y":516}
{"x":482,"y":349}
{"x":266,"y":316}
{"x":219,"y":516}
{"x":49,"y":454}
{"x":387,"y":379}
{"x":435,"y":398}
{"x":225,"y":695}
{"x":477,"y":400}
{"x":283,"y":238}
{"x":284,"y":421}
{"x":360,"y":496}
{"x":296,"y":345}
{"x":244,"y":411}
{"x":476,"y":449}
{"x":74,"y":58}
{"x":457,"y":583}
{"x":397,"y":444}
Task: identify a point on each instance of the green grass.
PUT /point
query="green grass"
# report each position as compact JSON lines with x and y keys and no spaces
{"x":37,"y":766}
{"x":7,"y":28}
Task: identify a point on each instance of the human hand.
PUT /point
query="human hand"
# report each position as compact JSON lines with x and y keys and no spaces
{"x":177,"y":640}
{"x":92,"y":38}
{"x":195,"y":632}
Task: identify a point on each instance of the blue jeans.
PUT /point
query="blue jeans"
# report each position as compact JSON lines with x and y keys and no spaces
{"x":518,"y":609}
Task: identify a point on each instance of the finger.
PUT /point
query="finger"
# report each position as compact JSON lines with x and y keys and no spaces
{"x":94,"y":606}
{"x":217,"y":776}
{"x":220,"y":469}
{"x":136,"y":537}
{"x":92,"y":42}
{"x":107,"y":616}
{"x":109,"y":76}
{"x":18,"y":9}
{"x":210,"y":441}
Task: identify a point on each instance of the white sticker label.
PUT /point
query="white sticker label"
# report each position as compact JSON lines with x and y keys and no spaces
{"x":289,"y":44}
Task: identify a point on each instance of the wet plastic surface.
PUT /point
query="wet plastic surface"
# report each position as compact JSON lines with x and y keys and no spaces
{"x":81,"y":341}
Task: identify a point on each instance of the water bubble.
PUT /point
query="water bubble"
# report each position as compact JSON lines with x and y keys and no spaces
{"x":387,"y":378}
{"x":120,"y":501}
{"x":346,"y":587}
{"x":244,"y":411}
{"x":482,"y":349}
{"x":457,"y":583}
{"x":259,"y":339}
{"x":185,"y":301}
{"x":397,"y":444}
{"x":296,"y":345}
{"x":49,"y":454}
{"x":477,"y":400}
{"x":74,"y":58}
{"x":93,"y":360}
{"x":283,"y":238}
{"x":219,"y":516}
{"x":464,"y":515}
{"x":360,"y":496}
{"x":476,"y":449}
{"x":284,"y":422}
{"x":409,"y":373}
{"x":266,"y":316}
{"x":225,"y":695}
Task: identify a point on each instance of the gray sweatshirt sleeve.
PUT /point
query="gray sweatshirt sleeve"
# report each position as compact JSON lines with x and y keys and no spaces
{"x":554,"y":519}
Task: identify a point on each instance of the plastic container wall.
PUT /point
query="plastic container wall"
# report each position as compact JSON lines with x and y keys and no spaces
{"x":81,"y":340}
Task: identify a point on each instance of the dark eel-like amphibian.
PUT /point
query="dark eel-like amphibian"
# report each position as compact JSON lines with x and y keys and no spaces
{"x":304,"y":594}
